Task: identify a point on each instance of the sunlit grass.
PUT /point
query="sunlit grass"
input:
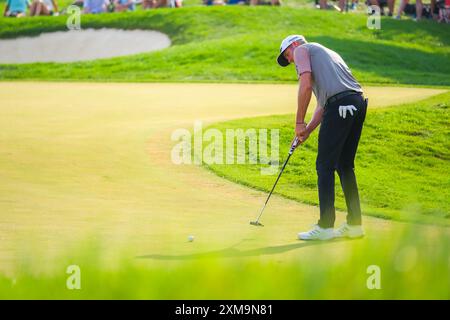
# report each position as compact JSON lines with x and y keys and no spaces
{"x":402,"y":163}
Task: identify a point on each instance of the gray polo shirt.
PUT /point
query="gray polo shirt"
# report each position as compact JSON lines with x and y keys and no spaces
{"x":330,"y":73}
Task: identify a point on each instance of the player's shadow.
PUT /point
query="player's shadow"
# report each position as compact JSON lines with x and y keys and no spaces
{"x":232,"y":252}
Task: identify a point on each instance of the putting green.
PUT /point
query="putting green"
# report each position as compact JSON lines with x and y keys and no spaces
{"x":91,"y":161}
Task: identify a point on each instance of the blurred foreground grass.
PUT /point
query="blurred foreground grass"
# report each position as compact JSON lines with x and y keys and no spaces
{"x":413,"y":264}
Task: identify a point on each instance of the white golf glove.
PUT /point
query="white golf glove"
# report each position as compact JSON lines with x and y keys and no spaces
{"x":343,"y":110}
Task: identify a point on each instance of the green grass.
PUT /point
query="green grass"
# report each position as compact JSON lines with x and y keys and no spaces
{"x":402,"y":167}
{"x":225,"y":44}
{"x":402,"y":162}
{"x":411,"y":266}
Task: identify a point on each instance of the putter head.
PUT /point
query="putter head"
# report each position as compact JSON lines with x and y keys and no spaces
{"x":256,"y":223}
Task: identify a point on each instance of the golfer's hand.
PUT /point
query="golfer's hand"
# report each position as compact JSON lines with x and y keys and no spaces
{"x":304,"y":136}
{"x":300,"y":130}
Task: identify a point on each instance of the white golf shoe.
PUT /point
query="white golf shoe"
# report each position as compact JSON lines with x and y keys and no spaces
{"x":348,"y":231}
{"x":317,"y":233}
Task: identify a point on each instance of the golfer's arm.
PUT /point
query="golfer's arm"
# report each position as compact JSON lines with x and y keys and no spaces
{"x":304,"y":96}
{"x":316,"y":119}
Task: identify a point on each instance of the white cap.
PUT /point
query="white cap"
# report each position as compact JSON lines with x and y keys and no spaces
{"x":285,"y":44}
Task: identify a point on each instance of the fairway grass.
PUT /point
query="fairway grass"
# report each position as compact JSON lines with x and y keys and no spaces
{"x":402,"y":162}
{"x":224,"y":44}
{"x":86,"y":179}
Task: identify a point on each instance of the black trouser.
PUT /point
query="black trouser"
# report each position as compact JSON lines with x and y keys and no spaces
{"x":338,"y":142}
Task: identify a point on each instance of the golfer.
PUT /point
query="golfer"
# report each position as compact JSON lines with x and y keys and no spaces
{"x":341,"y":111}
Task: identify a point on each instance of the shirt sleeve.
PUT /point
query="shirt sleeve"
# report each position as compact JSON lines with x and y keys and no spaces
{"x":302,"y":60}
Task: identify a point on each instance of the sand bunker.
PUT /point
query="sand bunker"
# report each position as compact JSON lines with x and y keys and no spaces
{"x":89,"y":44}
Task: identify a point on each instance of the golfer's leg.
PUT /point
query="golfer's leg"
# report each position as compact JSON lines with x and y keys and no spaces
{"x":332,"y":136}
{"x":325,"y":183}
{"x":350,"y":188}
{"x":346,"y":166}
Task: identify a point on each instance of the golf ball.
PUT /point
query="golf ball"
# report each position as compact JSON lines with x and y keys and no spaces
{"x":191,"y":238}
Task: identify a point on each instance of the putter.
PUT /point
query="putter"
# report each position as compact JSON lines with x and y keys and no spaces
{"x":291,"y":151}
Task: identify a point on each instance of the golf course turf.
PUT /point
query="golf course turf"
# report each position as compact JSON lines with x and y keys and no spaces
{"x":87,"y":178}
{"x":90,"y":182}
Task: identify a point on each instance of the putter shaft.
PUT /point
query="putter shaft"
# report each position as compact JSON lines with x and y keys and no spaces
{"x":291,"y":151}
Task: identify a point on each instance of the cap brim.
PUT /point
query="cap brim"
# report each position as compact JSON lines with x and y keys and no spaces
{"x":282,"y":60}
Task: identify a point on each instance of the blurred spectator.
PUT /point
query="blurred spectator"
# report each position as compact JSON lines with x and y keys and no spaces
{"x":382,"y":3}
{"x":213,"y":2}
{"x":149,"y":4}
{"x":124,"y":5}
{"x":444,"y":11}
{"x":354,"y":5}
{"x":260,"y":2}
{"x":43,"y":8}
{"x":175,"y":3}
{"x":16,"y":8}
{"x":433,"y":9}
{"x":323,"y":4}
{"x":78,"y":3}
{"x":95,"y":6}
{"x":419,"y":9}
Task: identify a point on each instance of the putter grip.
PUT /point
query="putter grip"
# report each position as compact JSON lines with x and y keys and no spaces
{"x":294,"y":145}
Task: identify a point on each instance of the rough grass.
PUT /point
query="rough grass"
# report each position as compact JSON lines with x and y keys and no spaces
{"x":225,"y":44}
{"x":402,"y":162}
